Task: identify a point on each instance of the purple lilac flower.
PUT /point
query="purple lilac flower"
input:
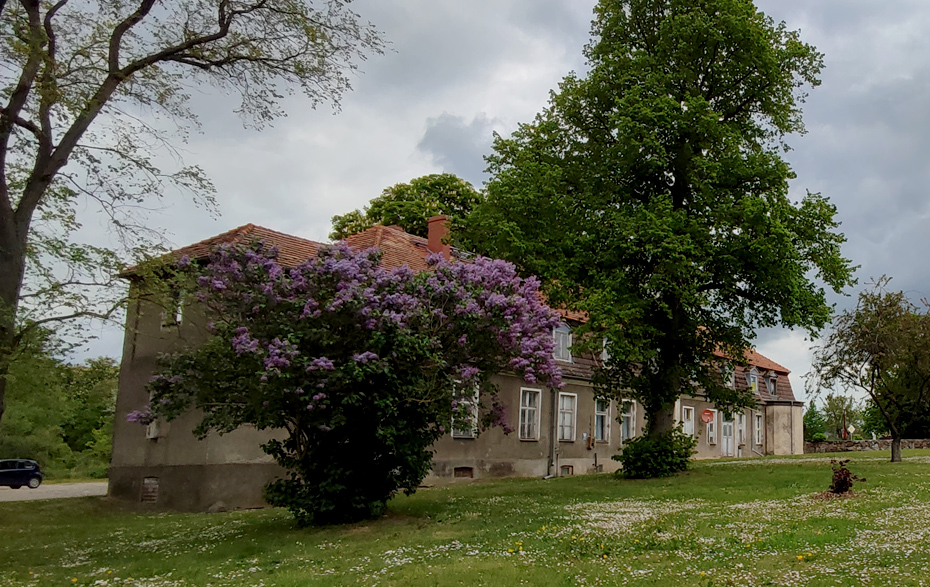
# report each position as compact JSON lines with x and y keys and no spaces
{"x":364,"y":357}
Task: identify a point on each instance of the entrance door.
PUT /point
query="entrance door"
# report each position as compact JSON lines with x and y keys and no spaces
{"x":726,"y":436}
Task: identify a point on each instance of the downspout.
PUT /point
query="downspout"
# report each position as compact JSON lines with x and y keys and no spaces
{"x":553,"y":434}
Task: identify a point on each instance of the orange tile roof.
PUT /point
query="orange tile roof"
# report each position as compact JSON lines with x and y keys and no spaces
{"x":757,"y":359}
{"x":397,"y":247}
{"x":292,"y":250}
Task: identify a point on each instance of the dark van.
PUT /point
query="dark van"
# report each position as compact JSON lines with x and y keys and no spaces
{"x":15,"y":473}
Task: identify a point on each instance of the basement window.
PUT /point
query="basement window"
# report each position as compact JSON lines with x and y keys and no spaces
{"x":463,"y":472}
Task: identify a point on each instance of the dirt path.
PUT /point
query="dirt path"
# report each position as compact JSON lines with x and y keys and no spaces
{"x":54,"y":491}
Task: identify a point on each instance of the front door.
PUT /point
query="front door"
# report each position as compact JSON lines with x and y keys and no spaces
{"x":726,"y":437}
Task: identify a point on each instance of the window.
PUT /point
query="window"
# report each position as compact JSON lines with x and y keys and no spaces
{"x":173,"y":310}
{"x":741,"y":428}
{"x":562,"y":337}
{"x":687,"y":420}
{"x":770,"y":382}
{"x":567,"y":403}
{"x":605,"y":354}
{"x":465,"y":416}
{"x":463,"y":472}
{"x":602,"y":420}
{"x":566,"y":471}
{"x":529,"y":414}
{"x":752,"y":379}
{"x":712,"y":428}
{"x":628,"y":421}
{"x":726,"y":374}
{"x":758,"y":429}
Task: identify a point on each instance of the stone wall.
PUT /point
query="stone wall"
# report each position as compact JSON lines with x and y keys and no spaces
{"x":860,"y":445}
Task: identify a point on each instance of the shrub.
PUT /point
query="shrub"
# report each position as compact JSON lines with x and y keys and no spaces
{"x":843,"y":478}
{"x":646,"y":457}
{"x":819,"y":437}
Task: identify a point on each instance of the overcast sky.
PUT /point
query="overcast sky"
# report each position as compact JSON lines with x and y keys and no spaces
{"x":458,"y":71}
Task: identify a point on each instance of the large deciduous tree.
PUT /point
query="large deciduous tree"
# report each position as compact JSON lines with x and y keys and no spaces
{"x":410,"y":206}
{"x":95,"y":91}
{"x":651,"y":194}
{"x":882,"y":347}
{"x":363,"y":368}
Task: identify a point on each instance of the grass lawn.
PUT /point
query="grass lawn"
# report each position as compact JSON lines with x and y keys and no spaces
{"x":723,"y":523}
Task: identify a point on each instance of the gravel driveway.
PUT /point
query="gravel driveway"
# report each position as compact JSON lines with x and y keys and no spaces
{"x":54,"y":491}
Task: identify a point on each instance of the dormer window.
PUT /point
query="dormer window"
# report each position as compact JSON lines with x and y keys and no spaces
{"x":726,"y":375}
{"x":562,"y":337}
{"x":752,"y":379}
{"x":770,"y":382}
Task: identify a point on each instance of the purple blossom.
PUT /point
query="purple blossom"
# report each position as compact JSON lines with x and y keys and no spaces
{"x":320,"y":363}
{"x":184,"y":262}
{"x":364,"y":357}
{"x":143,"y":416}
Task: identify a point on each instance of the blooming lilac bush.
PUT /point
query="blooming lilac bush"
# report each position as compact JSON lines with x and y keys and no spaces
{"x":363,"y":367}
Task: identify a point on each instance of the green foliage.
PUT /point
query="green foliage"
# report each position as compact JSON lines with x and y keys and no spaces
{"x":881,"y":348}
{"x":873,"y":421}
{"x":815,"y":425}
{"x":664,"y":455}
{"x":652,"y":194}
{"x":61,"y":415}
{"x":839,"y":412}
{"x":410,"y":206}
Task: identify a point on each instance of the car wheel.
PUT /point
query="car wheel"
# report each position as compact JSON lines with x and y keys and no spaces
{"x":15,"y":486}
{"x":34,"y":482}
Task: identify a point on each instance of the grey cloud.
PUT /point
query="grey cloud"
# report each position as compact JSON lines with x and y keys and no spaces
{"x":459,"y":146}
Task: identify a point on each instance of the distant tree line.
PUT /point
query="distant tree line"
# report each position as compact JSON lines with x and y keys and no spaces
{"x":60,"y":414}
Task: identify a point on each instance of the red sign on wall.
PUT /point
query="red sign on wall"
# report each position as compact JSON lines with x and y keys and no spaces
{"x":707,"y":416}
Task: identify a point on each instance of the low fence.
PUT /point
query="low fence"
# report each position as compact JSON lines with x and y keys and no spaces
{"x":861,"y":445}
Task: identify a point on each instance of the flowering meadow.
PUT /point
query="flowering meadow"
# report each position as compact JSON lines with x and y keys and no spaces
{"x":761,"y":522}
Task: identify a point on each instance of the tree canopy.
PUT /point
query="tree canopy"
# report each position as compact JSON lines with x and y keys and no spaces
{"x":410,"y":206}
{"x":363,"y":367}
{"x":94,"y":92}
{"x":651,"y":194}
{"x":881,"y":347}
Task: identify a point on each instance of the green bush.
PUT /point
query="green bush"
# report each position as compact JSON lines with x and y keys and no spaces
{"x":819,"y":437}
{"x":645,"y":457}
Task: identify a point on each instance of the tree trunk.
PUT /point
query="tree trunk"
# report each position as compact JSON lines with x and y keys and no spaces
{"x":896,"y":449}
{"x":662,"y":420}
{"x":12,"y":266}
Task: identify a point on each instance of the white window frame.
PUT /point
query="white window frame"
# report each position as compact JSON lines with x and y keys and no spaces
{"x":630,"y":414}
{"x":472,"y":416}
{"x":603,"y":415}
{"x":752,"y":380}
{"x":758,"y":425}
{"x":529,"y":416}
{"x":572,"y":413}
{"x":740,"y":428}
{"x":687,"y":420}
{"x":710,"y":429}
{"x":559,"y":334}
{"x":172,"y":312}
{"x":728,"y":375}
{"x":605,"y":355}
{"x":771,"y":383}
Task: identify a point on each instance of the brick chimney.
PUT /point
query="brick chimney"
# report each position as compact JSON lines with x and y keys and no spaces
{"x":438,"y":229}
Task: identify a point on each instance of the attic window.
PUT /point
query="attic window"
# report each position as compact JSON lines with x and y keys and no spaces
{"x":173,"y":310}
{"x":726,"y":374}
{"x":562,"y":337}
{"x":770,"y":383}
{"x":752,"y":379}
